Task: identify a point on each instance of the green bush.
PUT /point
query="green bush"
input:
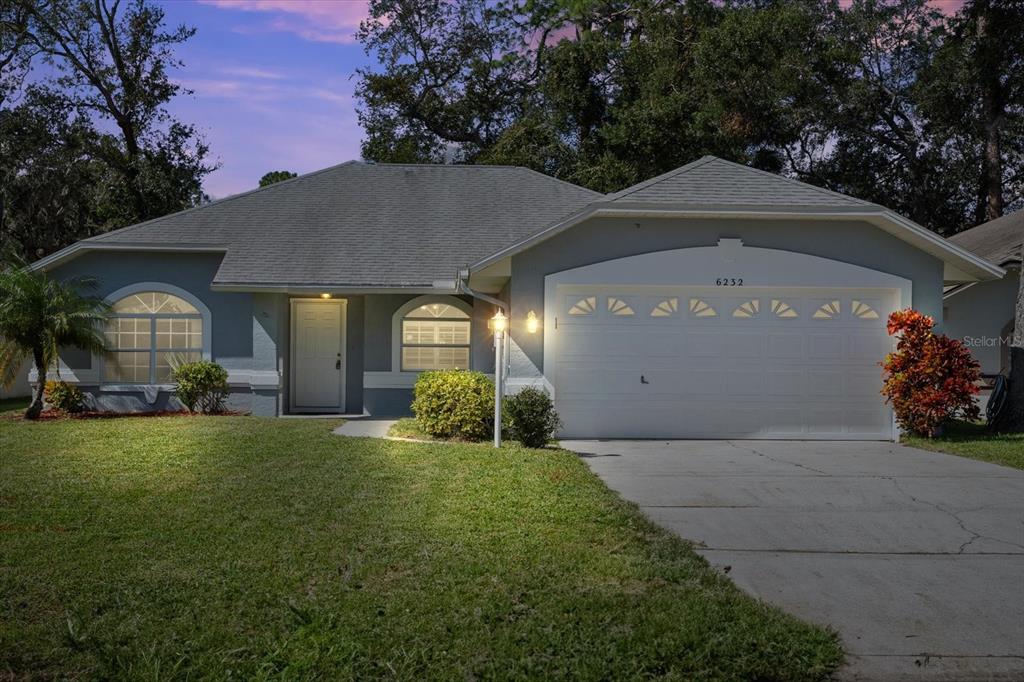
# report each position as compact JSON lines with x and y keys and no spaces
{"x":454,"y":404}
{"x":64,"y":397}
{"x":530,"y":417}
{"x":201,"y":386}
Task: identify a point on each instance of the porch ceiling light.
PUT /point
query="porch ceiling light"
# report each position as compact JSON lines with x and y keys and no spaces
{"x":325,"y":295}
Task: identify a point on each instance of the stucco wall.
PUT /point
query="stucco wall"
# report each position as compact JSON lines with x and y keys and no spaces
{"x":978,"y":316}
{"x":603,"y":239}
{"x":378,"y":353}
{"x":231,"y":313}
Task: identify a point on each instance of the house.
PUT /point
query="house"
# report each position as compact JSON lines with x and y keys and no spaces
{"x":981,"y":314}
{"x":712,"y":301}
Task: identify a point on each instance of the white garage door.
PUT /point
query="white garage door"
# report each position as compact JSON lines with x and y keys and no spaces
{"x":721,"y":362}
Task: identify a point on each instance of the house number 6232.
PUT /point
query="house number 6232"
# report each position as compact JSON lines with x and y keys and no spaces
{"x":729,"y":281}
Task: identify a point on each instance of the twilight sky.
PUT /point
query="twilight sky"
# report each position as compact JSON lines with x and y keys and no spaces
{"x":273,"y":82}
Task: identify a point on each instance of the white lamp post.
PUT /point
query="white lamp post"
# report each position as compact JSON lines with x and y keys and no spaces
{"x":499,"y":323}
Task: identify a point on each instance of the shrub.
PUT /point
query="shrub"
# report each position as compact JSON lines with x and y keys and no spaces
{"x":530,"y":417}
{"x":201,"y":386}
{"x":931,"y":378}
{"x":454,"y":404}
{"x":64,"y":396}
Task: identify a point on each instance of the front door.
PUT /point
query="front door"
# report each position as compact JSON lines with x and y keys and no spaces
{"x":318,"y":363}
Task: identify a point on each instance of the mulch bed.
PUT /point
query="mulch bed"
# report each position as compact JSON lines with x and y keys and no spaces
{"x":57,"y":415}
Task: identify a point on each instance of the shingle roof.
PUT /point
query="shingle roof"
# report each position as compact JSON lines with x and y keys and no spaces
{"x":711,"y":181}
{"x":999,"y":240}
{"x":361,"y":224}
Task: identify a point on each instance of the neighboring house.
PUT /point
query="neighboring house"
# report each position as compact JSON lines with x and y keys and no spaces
{"x":713,"y":301}
{"x":981,"y":314}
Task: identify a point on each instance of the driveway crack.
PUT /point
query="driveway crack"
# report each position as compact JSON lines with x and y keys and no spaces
{"x":777,"y":460}
{"x":975,"y":536}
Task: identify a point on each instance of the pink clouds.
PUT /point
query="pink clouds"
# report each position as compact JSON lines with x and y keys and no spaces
{"x":322,"y":21}
{"x":947,"y":6}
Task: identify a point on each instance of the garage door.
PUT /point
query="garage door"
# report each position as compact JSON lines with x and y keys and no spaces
{"x":721,"y":362}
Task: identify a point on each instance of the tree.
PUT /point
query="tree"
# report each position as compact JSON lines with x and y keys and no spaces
{"x":110,"y":64}
{"x":48,"y":177}
{"x":276,"y":176}
{"x":606,"y":93}
{"x":973,"y":94}
{"x":38,"y":316}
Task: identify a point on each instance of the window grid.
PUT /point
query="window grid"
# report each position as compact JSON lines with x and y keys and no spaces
{"x":435,"y":343}
{"x":144,"y":348}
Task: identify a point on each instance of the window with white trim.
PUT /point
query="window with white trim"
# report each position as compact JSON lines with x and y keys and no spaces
{"x":435,"y":336}
{"x":147,"y":335}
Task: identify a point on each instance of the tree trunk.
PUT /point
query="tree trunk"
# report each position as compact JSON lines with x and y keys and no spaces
{"x":36,"y":406}
{"x":991,"y":95}
{"x":1012,"y":418}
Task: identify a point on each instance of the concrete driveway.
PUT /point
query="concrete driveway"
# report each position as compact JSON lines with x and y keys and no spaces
{"x":916,"y":558}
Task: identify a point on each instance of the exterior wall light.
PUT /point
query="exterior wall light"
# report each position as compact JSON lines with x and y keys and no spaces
{"x":325,"y":295}
{"x":532,"y":323}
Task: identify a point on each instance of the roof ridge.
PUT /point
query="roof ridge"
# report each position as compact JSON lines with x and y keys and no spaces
{"x":472,"y":166}
{"x":216,"y":202}
{"x":660,"y":178}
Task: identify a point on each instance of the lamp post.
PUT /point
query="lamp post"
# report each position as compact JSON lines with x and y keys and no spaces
{"x":499,"y":323}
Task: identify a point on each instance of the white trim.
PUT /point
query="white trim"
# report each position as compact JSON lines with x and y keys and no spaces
{"x":409,"y":306}
{"x":960,"y":260}
{"x":78,"y":248}
{"x":255,"y":379}
{"x":98,"y":359}
{"x":397,"y":380}
{"x":333,"y":289}
{"x":343,"y":350}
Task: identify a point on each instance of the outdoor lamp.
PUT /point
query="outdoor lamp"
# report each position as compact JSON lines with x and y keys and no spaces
{"x":499,"y":323}
{"x":325,"y":295}
{"x":532,"y":323}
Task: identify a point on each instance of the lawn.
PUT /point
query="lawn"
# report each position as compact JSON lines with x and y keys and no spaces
{"x":977,"y":442}
{"x":239,"y":547}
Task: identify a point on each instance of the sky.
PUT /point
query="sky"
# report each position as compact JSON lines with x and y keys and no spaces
{"x":273,"y":83}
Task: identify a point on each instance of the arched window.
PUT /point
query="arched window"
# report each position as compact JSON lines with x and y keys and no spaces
{"x":434,"y":334}
{"x":148,"y":334}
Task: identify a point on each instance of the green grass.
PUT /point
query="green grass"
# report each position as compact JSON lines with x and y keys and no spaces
{"x":408,"y":428}
{"x":252,"y":548}
{"x":13,"y":404}
{"x":977,"y":442}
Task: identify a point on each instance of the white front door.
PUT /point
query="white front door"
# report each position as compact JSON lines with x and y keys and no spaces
{"x":318,"y":363}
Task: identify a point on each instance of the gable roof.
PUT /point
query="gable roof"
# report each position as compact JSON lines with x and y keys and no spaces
{"x":999,"y":240}
{"x":711,"y":181}
{"x":358,"y":225}
{"x":713,"y":187}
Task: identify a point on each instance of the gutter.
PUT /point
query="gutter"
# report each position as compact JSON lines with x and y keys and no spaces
{"x":462,"y":287}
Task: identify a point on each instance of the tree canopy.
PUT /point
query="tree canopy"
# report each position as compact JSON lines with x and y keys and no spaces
{"x":86,"y":141}
{"x":276,"y":176}
{"x":888,"y":100}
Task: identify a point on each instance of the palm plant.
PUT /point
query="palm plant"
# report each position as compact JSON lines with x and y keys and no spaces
{"x":38,"y":316}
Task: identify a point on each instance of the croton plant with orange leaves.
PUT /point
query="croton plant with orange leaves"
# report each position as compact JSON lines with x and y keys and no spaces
{"x":931,"y":378}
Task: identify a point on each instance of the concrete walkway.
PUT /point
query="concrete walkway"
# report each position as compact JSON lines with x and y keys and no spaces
{"x":365,"y":428}
{"x":916,"y":558}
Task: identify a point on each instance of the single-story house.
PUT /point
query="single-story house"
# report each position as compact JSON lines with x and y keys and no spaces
{"x":981,"y":314}
{"x":715,"y":300}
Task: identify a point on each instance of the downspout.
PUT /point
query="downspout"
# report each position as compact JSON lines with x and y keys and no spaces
{"x":462,"y":287}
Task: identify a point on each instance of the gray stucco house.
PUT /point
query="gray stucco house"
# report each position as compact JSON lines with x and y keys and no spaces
{"x":713,"y":301}
{"x":981,"y":314}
